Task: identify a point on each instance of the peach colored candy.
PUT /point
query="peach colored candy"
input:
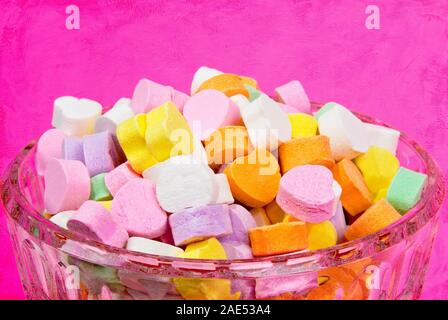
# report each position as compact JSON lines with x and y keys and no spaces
{"x":148,"y":95}
{"x":210,"y":110}
{"x":293,"y":94}
{"x":93,"y":221}
{"x":49,"y":146}
{"x":118,"y":177}
{"x":254,"y":180}
{"x":201,"y":75}
{"x":278,"y":238}
{"x":309,"y":150}
{"x":226,"y":144}
{"x":67,"y":185}
{"x":355,"y":196}
{"x":136,"y":208}
{"x":229,"y":84}
{"x":249,"y":81}
{"x":377,"y":217}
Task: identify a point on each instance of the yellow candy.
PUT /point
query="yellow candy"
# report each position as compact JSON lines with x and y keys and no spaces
{"x":321,"y":235}
{"x":168,"y":133}
{"x":378,"y":166}
{"x":131,"y":135}
{"x":106,"y":204}
{"x":303,"y":125}
{"x":205,"y":289}
{"x":290,"y":218}
{"x":260,"y":217}
{"x":274,"y":212}
{"x":382,"y":194}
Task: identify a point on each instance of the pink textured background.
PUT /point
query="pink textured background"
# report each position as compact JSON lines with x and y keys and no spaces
{"x":398,"y":73}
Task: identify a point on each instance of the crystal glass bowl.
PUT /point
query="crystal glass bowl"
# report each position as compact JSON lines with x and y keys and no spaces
{"x":58,"y":264}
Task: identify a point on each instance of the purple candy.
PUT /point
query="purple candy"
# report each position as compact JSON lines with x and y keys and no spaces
{"x":237,"y":250}
{"x":242,"y":221}
{"x":339,"y":222}
{"x":195,"y":224}
{"x":73,"y":149}
{"x":100,"y":155}
{"x":246,"y":287}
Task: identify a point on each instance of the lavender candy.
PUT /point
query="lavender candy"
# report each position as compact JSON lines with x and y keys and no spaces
{"x":199,"y":223}
{"x":73,"y":149}
{"x":100,"y":155}
{"x":237,"y":250}
{"x":339,"y":222}
{"x":242,"y":221}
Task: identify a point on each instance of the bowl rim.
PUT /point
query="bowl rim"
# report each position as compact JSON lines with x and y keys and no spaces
{"x":432,"y":199}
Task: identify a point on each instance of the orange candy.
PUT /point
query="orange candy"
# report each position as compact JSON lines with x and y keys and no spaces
{"x":377,"y":217}
{"x":274,"y":212}
{"x":249,"y":81}
{"x":307,"y":150}
{"x":278,"y":238}
{"x":254,"y":179}
{"x":355,"y":196}
{"x":229,"y":84}
{"x":226,"y":144}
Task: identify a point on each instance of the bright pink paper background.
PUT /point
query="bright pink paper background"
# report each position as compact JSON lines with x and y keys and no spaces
{"x":398,"y":73}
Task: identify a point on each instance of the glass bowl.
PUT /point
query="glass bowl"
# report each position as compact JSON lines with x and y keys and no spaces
{"x":58,"y":264}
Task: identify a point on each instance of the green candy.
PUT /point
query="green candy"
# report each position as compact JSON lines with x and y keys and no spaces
{"x":253,"y":93}
{"x":326,"y":107}
{"x":98,"y":189}
{"x":406,"y":189}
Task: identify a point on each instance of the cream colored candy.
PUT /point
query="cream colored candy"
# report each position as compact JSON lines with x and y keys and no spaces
{"x":383,"y":137}
{"x":62,"y":218}
{"x":348,"y":135}
{"x":168,"y":133}
{"x":153,"y":247}
{"x":202,"y":75}
{"x":268,"y":126}
{"x":120,"y":112}
{"x":224,"y":193}
{"x":76,"y":117}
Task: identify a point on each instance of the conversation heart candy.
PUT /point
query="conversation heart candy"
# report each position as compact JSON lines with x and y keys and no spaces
{"x":149,"y":95}
{"x":73,"y":149}
{"x":237,"y":250}
{"x":98,"y":188}
{"x":405,"y":189}
{"x":118,"y":177}
{"x":267,"y":124}
{"x":278,"y":238}
{"x":321,"y":235}
{"x":383,"y":137}
{"x":200,"y":223}
{"x":242,"y":221}
{"x":293,"y":94}
{"x":109,"y":121}
{"x":303,"y":125}
{"x":181,"y":186}
{"x":75,"y":117}
{"x":168,"y":133}
{"x":306,"y":193}
{"x":375,"y":218}
{"x":210,"y":110}
{"x":153,"y":247}
{"x":301,"y":151}
{"x":339,"y":223}
{"x":355,"y":196}
{"x":260,"y":216}
{"x":62,"y":218}
{"x":48,"y":147}
{"x":100,"y":155}
{"x":224,"y":195}
{"x":131,"y":136}
{"x":202,"y":75}
{"x":229,"y":84}
{"x":178,"y":98}
{"x":378,"y":167}
{"x":226,"y":144}
{"x":348,"y":135}
{"x":93,"y":221}
{"x":254,"y":179}
{"x":67,"y":185}
{"x":136,"y":208}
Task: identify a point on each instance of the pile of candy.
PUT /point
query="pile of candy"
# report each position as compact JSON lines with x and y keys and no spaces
{"x":226,"y":173}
